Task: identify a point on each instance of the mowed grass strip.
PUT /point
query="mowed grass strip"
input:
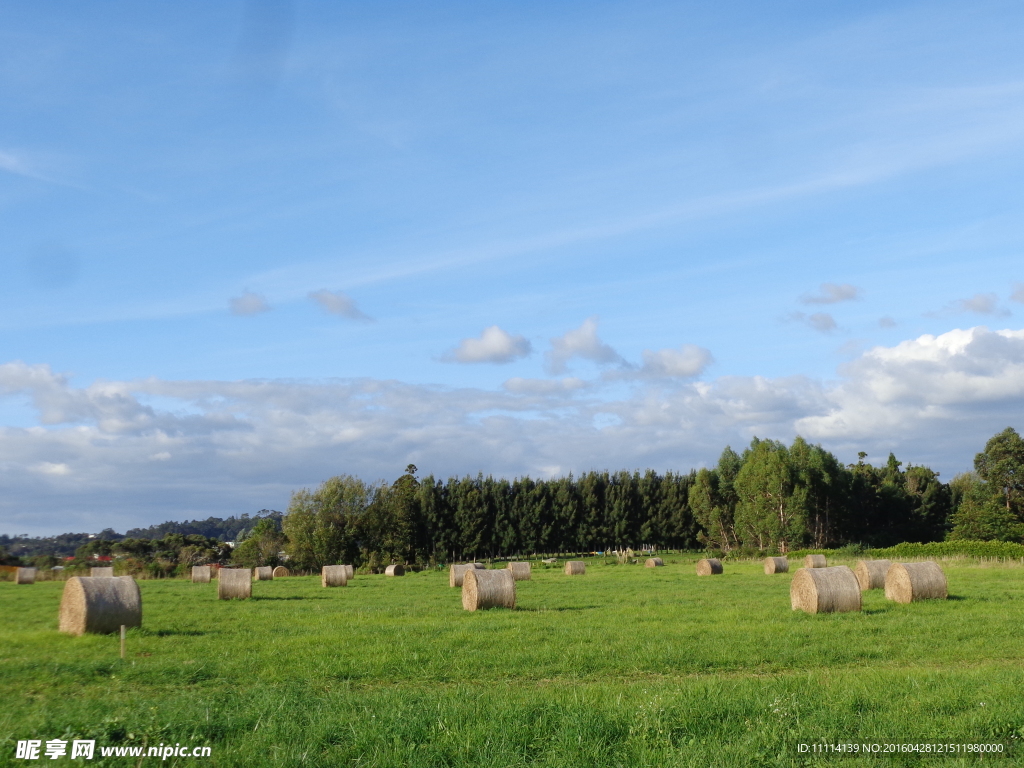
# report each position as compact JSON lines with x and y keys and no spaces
{"x":624,"y":664}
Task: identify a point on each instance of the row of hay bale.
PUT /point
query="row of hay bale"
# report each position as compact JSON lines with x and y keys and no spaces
{"x":103,"y":605}
{"x":457,"y":572}
{"x":838,"y":589}
{"x":781,"y":564}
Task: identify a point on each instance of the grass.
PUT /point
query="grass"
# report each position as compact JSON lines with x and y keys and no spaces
{"x":622,"y":666}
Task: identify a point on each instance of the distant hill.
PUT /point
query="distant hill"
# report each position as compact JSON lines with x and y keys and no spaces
{"x":231,"y":529}
{"x":65,"y":544}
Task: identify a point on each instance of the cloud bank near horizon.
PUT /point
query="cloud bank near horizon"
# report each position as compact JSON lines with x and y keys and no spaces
{"x":127,"y":453}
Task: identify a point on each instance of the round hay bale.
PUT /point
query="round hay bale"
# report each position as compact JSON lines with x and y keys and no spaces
{"x":488,"y":589}
{"x":25,"y":576}
{"x":479,"y":566}
{"x":281,"y":572}
{"x":815,"y":561}
{"x":825,"y":590}
{"x":776,"y":565}
{"x":457,"y":572}
{"x":654,"y":562}
{"x":575,"y":568}
{"x":709,"y":566}
{"x":871,"y":573}
{"x":910,"y":582}
{"x":100,"y":606}
{"x":394,"y":570}
{"x":234,"y":583}
{"x":334,"y":575}
{"x":350,"y":572}
{"x":200,"y":574}
{"x":520,"y":571}
{"x":263,"y":573}
{"x":105,"y":573}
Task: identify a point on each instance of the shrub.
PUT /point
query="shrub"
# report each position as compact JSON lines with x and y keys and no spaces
{"x":954,"y":548}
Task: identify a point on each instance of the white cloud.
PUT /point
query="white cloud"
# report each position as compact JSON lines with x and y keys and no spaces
{"x":1018,"y":293}
{"x":581,"y":342}
{"x":493,"y":346}
{"x":337,"y":303}
{"x":249,"y":304}
{"x":830,"y":293}
{"x":686,"y":362}
{"x":930,"y":386}
{"x":105,"y":458}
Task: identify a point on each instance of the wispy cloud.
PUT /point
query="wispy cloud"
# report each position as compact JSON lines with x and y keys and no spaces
{"x":822,"y":322}
{"x":337,"y":303}
{"x":830,"y":293}
{"x":982,"y":303}
{"x":687,"y":361}
{"x":249,"y":304}
{"x":979,"y":304}
{"x":1018,"y":293}
{"x":494,"y":345}
{"x":582,"y":342}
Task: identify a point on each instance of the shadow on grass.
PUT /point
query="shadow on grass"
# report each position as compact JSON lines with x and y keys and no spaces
{"x":957,"y":597}
{"x":170,"y":632}
{"x":561,"y":609}
{"x":293,"y":597}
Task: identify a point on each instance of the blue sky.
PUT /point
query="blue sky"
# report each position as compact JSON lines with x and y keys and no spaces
{"x":247,"y":246}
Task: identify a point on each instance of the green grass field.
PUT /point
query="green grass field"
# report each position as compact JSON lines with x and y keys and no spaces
{"x":624,"y":666}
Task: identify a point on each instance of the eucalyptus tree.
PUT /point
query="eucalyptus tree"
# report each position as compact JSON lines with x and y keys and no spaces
{"x":771,"y":511}
{"x":323,"y":526}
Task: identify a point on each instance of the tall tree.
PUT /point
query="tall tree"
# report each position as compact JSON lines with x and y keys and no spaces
{"x":322,"y":526}
{"x":1001,"y":465}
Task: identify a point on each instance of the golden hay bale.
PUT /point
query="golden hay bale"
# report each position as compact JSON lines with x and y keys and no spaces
{"x":815,"y":561}
{"x":25,"y":576}
{"x":234,"y":583}
{"x":654,"y":562}
{"x":575,"y":568}
{"x":263,"y":573}
{"x":101,"y":572}
{"x":709,"y":566}
{"x":910,"y":582}
{"x":334,"y":575}
{"x":479,"y":566}
{"x":520,"y":571}
{"x":281,"y":572}
{"x":825,"y":590}
{"x":200,"y":574}
{"x":100,"y":605}
{"x":488,"y":589}
{"x":776,"y":565}
{"x":871,"y":573}
{"x":457,"y":572}
{"x":394,"y":570}
{"x":351,"y":572}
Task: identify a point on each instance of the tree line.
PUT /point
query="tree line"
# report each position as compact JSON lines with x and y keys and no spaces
{"x":770,"y":498}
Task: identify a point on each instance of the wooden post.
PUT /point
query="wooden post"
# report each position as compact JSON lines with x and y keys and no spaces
{"x":122,"y":640}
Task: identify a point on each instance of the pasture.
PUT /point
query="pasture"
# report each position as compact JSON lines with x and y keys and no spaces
{"x":624,"y":666}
